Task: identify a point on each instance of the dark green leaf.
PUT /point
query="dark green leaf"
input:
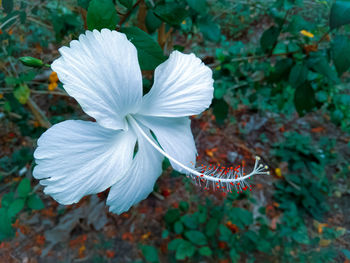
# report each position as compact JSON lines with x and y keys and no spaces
{"x":241,"y":217}
{"x":185,"y":250}
{"x":35,"y":203}
{"x":6,"y":229}
{"x":234,"y":255}
{"x":199,"y":5}
{"x":172,"y":215}
{"x":209,"y":29}
{"x":15,"y":207}
{"x":340,"y":14}
{"x":84,"y":3}
{"x":340,"y":49}
{"x":189,"y":221}
{"x":184,"y":206}
{"x":127,"y":3}
{"x":101,"y":14}
{"x":298,"y":75}
{"x":22,"y":93}
{"x":152,"y":22}
{"x":269,"y":38}
{"x":7,"y":5}
{"x":304,"y":99}
{"x":7,"y":199}
{"x":171,"y":13}
{"x":150,"y":253}
{"x":205,"y":251}
{"x":173,"y":244}
{"x":211,"y":227}
{"x":178,"y":227}
{"x":24,"y":188}
{"x":149,"y":52}
{"x":196,"y":237}
{"x":220,"y":110}
{"x":321,"y":65}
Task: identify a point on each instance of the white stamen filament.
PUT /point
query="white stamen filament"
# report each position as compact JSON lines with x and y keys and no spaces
{"x":211,"y":175}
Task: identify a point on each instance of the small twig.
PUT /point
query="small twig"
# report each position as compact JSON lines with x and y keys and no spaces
{"x":8,"y":21}
{"x":323,"y":36}
{"x":159,"y":196}
{"x":50,"y":92}
{"x":39,"y":115}
{"x":125,"y":17}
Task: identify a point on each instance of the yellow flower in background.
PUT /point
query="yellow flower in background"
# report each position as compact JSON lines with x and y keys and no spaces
{"x":53,"y":77}
{"x":53,"y":81}
{"x":1,"y":95}
{"x":52,"y":86}
{"x":306,"y":33}
{"x":278,"y":172}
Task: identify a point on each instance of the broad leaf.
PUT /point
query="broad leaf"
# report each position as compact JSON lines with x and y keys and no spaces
{"x":298,"y":75}
{"x":101,"y":14}
{"x":7,"y":5}
{"x":340,"y":49}
{"x":199,"y":5}
{"x":269,"y":38}
{"x":150,"y":253}
{"x":304,"y":99}
{"x":340,"y":14}
{"x":209,"y":29}
{"x":171,"y":13}
{"x":150,"y":54}
{"x":24,"y":188}
{"x":196,"y":237}
{"x":35,"y":203}
{"x":15,"y":207}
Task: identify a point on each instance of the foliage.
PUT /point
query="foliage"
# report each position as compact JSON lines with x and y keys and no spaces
{"x":284,"y":61}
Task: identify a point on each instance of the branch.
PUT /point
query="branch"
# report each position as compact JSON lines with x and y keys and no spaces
{"x":125,"y":17}
{"x":39,"y":115}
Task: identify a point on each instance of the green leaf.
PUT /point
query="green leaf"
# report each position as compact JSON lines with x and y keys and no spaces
{"x":127,"y":3}
{"x":340,"y":14}
{"x":220,"y":110}
{"x":234,"y":255}
{"x":22,"y":93}
{"x":189,"y":221}
{"x":304,"y":99}
{"x":7,"y":5}
{"x":269,"y":38}
{"x":320,"y":64}
{"x":15,"y":207}
{"x":150,"y":253}
{"x":185,"y":250}
{"x":301,"y":235}
{"x":101,"y":14}
{"x":178,"y":227}
{"x":199,"y":5}
{"x":298,"y":75}
{"x":241,"y":217}
{"x":84,"y":3}
{"x":196,"y":237}
{"x":7,"y":199}
{"x":211,"y":227}
{"x":340,"y":50}
{"x":6,"y":229}
{"x":205,"y":251}
{"x":173,"y":244}
{"x":184,"y":206}
{"x":171,"y":13}
{"x":152,"y":22}
{"x":35,"y":203}
{"x":172,"y":215}
{"x":150,"y":54}
{"x":31,"y":62}
{"x":24,"y":187}
{"x":209,"y":29}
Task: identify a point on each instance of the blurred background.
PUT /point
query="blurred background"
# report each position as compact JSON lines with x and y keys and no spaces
{"x":281,"y":71}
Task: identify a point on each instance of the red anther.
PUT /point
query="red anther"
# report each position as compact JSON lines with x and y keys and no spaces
{"x":231,"y":183}
{"x":225,"y":172}
{"x":237,"y":192}
{"x":202,"y":175}
{"x":216,"y":183}
{"x":250,"y":189}
{"x":218,"y":187}
{"x":219,"y":181}
{"x":245,"y":188}
{"x":202,"y":171}
{"x":238,"y":183}
{"x":212,"y":174}
{"x":202,"y":164}
{"x":223,"y":187}
{"x":214,"y":167}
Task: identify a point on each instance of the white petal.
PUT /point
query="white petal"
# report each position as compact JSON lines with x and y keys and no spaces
{"x":139,"y":181}
{"x":174,"y":136}
{"x":183,"y":86}
{"x":77,"y":158}
{"x":102,"y":73}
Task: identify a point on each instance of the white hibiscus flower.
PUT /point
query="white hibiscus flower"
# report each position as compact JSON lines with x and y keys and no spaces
{"x":76,"y":158}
